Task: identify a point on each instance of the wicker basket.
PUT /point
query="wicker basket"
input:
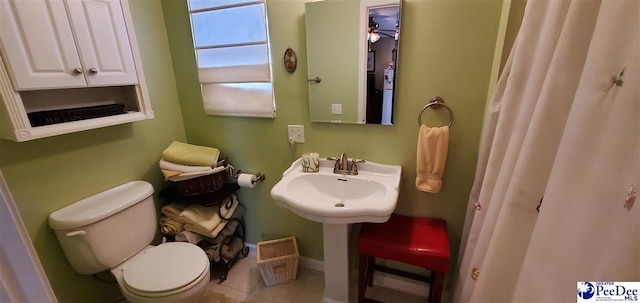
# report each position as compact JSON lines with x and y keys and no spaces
{"x":278,"y":260}
{"x":74,"y":114}
{"x":202,"y":185}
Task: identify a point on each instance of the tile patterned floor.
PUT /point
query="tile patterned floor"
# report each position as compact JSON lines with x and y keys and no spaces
{"x":244,"y":283}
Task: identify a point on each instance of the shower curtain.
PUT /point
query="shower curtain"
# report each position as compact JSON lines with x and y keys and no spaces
{"x":552,"y":202}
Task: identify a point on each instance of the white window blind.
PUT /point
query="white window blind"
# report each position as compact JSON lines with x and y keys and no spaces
{"x":232,"y":50}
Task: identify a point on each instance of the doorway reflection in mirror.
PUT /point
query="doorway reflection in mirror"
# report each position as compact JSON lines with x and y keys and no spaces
{"x":382,"y":40}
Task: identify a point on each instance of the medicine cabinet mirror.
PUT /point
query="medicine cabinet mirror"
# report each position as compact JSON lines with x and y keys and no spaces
{"x":352,"y":50}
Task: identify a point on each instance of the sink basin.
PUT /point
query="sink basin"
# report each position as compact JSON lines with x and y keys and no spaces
{"x":337,"y":201}
{"x":370,"y":196}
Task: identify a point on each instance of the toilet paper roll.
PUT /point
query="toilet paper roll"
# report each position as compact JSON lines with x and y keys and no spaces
{"x":246,"y":180}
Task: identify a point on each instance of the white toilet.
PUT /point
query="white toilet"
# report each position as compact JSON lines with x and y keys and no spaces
{"x":113,"y":230}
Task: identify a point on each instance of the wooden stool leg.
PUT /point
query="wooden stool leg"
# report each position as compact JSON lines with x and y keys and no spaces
{"x":436,"y":287}
{"x":362,"y":277}
{"x":370,"y":263}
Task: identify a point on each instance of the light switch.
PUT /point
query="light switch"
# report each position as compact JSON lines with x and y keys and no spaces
{"x":336,"y":109}
{"x":296,"y":133}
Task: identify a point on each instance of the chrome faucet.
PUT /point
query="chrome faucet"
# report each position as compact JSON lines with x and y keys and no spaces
{"x":344,"y":162}
{"x":342,"y":165}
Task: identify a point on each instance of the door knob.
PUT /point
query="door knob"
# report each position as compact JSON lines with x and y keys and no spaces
{"x":77,"y":71}
{"x":315,"y":80}
{"x":93,"y":71}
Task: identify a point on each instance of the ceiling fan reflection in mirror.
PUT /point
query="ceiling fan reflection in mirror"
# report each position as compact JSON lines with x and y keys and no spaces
{"x":375,"y":32}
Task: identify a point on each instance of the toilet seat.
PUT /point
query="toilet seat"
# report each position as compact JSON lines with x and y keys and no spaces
{"x":165,"y":270}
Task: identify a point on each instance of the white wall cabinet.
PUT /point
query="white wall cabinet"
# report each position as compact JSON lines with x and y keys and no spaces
{"x":68,"y":54}
{"x":42,"y":53}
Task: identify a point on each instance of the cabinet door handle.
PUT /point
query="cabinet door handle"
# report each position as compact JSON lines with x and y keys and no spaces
{"x":93,"y":71}
{"x":77,"y":71}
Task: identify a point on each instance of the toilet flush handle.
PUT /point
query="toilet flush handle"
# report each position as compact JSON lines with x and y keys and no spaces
{"x":76,"y":233}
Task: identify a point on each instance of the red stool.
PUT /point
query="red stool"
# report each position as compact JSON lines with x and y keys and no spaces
{"x":420,"y":242}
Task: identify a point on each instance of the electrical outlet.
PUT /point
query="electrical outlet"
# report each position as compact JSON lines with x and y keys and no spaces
{"x":296,"y":132}
{"x":336,"y":109}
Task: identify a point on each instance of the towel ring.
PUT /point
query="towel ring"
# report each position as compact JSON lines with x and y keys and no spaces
{"x":435,"y":102}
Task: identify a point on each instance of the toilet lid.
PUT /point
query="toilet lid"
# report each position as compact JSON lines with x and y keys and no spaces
{"x":165,"y":267}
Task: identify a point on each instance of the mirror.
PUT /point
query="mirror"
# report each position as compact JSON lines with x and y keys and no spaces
{"x":352,"y":48}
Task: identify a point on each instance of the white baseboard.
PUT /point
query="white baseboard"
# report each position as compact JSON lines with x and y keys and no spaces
{"x":310,"y":263}
{"x":253,"y":249}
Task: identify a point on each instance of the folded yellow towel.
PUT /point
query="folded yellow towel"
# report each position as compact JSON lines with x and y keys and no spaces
{"x":204,"y":232}
{"x":173,"y":210}
{"x":169,"y":226}
{"x":204,"y":220}
{"x":189,"y":237}
{"x":189,"y":154}
{"x":218,"y":229}
{"x":433,"y":144}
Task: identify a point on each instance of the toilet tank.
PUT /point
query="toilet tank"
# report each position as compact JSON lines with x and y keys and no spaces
{"x":102,"y":231}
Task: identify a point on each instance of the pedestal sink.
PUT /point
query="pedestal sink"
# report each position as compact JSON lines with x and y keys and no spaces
{"x":337,"y":200}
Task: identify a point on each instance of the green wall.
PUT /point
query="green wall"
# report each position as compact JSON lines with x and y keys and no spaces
{"x":516,"y":12}
{"x":447,"y":50}
{"x":47,"y":174}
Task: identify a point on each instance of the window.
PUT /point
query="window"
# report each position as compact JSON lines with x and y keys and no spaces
{"x":232,"y":50}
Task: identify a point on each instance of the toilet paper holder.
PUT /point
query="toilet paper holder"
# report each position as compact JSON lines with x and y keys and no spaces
{"x":259,"y":176}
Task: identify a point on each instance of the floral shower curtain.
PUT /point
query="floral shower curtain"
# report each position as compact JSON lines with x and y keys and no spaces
{"x":552,"y":202}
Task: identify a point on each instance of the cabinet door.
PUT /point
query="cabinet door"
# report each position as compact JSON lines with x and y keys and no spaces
{"x":38,"y":45}
{"x":103,"y":42}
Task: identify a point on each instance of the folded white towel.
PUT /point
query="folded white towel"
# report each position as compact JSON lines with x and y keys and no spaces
{"x":181,"y":167}
{"x":204,"y":220}
{"x":191,"y":175}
